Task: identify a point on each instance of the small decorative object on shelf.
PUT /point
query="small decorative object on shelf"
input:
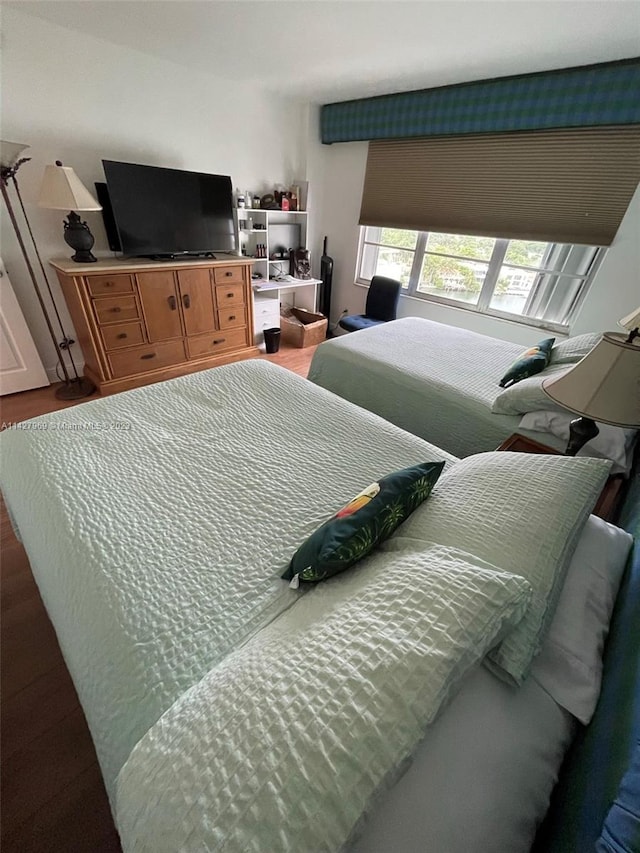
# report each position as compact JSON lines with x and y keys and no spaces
{"x":299,"y":263}
{"x":239,"y":200}
{"x":268,"y":202}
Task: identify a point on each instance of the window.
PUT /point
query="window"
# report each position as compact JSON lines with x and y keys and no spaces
{"x":537,"y":282}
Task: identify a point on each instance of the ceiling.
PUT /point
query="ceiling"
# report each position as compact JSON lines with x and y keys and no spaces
{"x":331,"y":50}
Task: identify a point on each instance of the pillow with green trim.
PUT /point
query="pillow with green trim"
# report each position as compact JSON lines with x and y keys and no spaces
{"x":530,"y":362}
{"x":356,"y":529}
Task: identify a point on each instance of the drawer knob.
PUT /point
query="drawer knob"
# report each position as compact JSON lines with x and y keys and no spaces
{"x":186,"y":300}
{"x":219,"y":340}
{"x":116,"y":310}
{"x":229,"y":295}
{"x":172,"y":302}
{"x":228,"y":274}
{"x":108,"y":284}
{"x":148,"y":355}
{"x":121,"y":336}
{"x":232,"y":316}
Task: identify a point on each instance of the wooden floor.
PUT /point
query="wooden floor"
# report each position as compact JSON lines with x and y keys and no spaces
{"x":53,"y":798}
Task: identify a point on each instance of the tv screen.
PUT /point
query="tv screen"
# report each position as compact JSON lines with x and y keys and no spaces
{"x":169,"y":211}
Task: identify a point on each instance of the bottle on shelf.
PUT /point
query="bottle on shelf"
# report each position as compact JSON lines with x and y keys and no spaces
{"x":239,"y":200}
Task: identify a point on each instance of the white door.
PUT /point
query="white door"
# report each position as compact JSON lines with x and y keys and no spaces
{"x":20,"y":365}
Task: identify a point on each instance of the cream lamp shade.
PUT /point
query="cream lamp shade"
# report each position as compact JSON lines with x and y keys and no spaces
{"x":604,"y":386}
{"x":632,"y":321}
{"x":62,"y":189}
{"x":10,"y":153}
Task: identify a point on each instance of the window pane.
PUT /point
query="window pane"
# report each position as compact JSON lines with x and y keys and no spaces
{"x":394,"y":263}
{"x":512,"y":289}
{"x":454,"y":279}
{"x":369,"y":261}
{"x":526,"y":252}
{"x":461,"y":244}
{"x":398,"y":237}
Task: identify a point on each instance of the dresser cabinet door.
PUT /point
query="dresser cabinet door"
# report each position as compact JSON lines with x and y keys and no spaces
{"x":196,"y":297}
{"x":160,"y":305}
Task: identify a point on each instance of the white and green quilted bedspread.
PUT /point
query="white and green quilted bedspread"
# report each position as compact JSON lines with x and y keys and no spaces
{"x":158,"y":547}
{"x":433,"y":380}
{"x":285,"y":744}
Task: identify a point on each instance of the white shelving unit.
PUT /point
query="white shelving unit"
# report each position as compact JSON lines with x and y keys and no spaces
{"x":257,"y":226}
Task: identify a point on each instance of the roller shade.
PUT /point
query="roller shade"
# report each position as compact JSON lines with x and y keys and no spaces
{"x":564,"y":186}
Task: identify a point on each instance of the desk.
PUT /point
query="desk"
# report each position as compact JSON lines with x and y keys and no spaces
{"x":268,"y":295}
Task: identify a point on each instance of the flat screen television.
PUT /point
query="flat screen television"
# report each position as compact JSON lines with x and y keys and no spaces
{"x":170,"y":212}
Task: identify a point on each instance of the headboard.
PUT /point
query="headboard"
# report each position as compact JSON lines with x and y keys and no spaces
{"x":603,"y":751}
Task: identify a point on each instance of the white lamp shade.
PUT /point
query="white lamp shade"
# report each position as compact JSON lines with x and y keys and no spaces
{"x":631,"y":321}
{"x":10,"y":153}
{"x":604,"y":385}
{"x":62,"y":189}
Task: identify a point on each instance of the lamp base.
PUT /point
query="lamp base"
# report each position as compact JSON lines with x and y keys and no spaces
{"x":75,"y":389}
{"x":581,"y":430}
{"x":79,"y":237}
{"x":84,"y":258}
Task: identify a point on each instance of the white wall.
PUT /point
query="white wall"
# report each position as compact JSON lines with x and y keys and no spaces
{"x":615,"y":290}
{"x":79,"y":99}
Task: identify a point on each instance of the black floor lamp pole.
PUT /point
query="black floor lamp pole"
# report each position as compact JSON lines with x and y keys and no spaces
{"x":74,"y":387}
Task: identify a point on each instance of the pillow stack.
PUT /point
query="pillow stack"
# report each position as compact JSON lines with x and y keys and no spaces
{"x":523,"y":381}
{"x":520,"y":514}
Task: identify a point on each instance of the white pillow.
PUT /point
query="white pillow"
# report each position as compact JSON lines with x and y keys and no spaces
{"x":527,"y":395}
{"x":574,"y":349}
{"x":611,"y":442}
{"x":523,"y":513}
{"x":569,"y":666}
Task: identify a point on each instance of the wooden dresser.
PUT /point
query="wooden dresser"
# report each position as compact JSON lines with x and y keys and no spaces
{"x":140,"y":321}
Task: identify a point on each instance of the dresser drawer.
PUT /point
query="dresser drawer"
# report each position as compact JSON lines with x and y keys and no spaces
{"x":229,"y":294}
{"x":202,"y":345}
{"x":232,"y":318}
{"x":122,"y":335}
{"x":116,"y":310}
{"x":149,"y":357}
{"x":228,"y":275}
{"x":105,"y":285}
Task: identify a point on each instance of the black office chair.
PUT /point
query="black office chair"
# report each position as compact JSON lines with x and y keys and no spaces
{"x":382,"y":304}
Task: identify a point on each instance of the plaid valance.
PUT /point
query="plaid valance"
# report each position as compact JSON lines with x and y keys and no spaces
{"x":588,"y":96}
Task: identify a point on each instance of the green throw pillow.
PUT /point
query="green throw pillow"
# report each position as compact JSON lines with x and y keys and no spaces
{"x":532,"y":361}
{"x":368,"y":519}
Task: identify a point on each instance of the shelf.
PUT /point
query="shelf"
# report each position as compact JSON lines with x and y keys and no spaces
{"x":290,"y":284}
{"x":252,"y":210}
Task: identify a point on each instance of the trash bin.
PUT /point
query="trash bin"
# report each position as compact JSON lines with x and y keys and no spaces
{"x":272,"y":340}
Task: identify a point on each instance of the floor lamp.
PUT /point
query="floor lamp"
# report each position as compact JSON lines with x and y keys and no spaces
{"x":74,"y":386}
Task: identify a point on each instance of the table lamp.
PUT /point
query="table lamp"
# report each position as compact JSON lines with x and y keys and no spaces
{"x":604,"y":386}
{"x":632,"y":324}
{"x":62,"y":189}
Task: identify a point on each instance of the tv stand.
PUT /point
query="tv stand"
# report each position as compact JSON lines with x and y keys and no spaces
{"x":142,"y":321}
{"x":181,"y":256}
